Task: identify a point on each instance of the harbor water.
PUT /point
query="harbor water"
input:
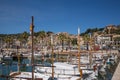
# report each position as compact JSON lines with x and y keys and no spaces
{"x":11,"y":66}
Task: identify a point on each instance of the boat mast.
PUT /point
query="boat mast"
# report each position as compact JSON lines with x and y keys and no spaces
{"x":32,"y":34}
{"x":80,"y":70}
{"x":52,"y":57}
{"x":18,"y":56}
{"x":110,"y":39}
{"x":90,"y":51}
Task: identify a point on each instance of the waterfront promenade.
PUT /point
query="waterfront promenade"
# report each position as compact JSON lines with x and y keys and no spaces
{"x":116,"y":75}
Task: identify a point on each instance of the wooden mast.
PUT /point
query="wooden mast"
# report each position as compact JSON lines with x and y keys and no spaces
{"x":18,"y":55}
{"x":52,"y":57}
{"x":80,"y":70}
{"x":32,"y":34}
{"x":90,"y":51}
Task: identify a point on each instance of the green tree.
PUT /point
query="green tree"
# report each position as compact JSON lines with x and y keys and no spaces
{"x":49,"y":33}
{"x":41,"y":37}
{"x":25,"y":35}
{"x":8,"y":40}
{"x":62,"y":38}
{"x":74,"y":41}
{"x":42,"y":34}
{"x":86,"y":39}
{"x":69,"y":41}
{"x":117,"y":39}
{"x":23,"y":38}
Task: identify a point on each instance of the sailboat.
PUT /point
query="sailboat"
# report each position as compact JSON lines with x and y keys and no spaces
{"x":63,"y":70}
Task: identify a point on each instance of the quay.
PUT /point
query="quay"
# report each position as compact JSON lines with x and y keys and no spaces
{"x":116,"y":75}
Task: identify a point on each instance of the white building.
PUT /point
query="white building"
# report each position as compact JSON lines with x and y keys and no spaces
{"x":103,"y":40}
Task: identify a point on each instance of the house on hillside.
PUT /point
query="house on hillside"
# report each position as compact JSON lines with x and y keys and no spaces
{"x":103,"y":41}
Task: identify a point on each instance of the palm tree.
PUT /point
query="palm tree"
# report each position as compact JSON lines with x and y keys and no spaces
{"x":86,"y":39}
{"x":25,"y":35}
{"x":8,"y":40}
{"x":49,"y":33}
{"x":62,"y":38}
{"x":23,"y":38}
{"x":74,"y":41}
{"x":69,"y":41}
{"x":41,"y":37}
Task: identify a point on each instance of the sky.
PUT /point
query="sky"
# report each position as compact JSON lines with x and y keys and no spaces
{"x":57,"y":15}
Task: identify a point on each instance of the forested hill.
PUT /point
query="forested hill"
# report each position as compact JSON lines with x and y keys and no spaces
{"x":89,"y":30}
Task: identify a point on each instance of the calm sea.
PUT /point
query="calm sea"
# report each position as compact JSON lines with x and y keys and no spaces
{"x":11,"y":66}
